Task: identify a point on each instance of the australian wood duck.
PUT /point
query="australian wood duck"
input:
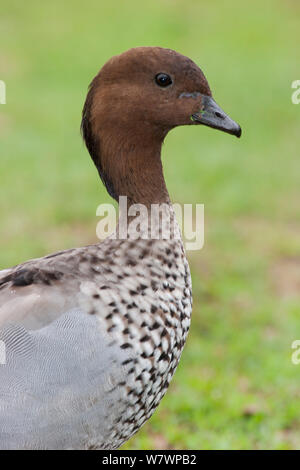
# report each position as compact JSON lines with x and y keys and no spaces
{"x":93,"y":335}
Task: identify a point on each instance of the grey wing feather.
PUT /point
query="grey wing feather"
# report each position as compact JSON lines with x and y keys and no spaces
{"x":31,"y":293}
{"x":58,"y":387}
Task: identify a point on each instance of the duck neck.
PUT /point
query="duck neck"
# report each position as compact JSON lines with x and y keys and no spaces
{"x":133,"y":168}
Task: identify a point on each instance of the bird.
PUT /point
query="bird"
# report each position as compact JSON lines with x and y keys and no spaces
{"x":93,"y":335}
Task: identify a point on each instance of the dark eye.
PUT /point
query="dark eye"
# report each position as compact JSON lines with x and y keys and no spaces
{"x":163,"y":79}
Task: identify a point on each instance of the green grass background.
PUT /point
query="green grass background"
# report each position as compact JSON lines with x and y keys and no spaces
{"x":235,"y":386}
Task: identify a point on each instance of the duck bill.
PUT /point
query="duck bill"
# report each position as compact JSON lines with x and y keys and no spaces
{"x":213,"y":116}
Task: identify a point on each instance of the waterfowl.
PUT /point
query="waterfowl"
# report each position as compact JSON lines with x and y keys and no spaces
{"x":93,"y":335}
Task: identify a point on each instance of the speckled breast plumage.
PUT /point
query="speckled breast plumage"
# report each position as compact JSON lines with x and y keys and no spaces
{"x":147,"y":302}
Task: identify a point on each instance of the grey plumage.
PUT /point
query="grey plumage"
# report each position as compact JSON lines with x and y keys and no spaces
{"x":92,"y":369}
{"x":59,"y":385}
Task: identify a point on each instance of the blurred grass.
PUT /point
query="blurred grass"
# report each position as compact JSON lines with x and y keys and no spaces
{"x":235,"y":386}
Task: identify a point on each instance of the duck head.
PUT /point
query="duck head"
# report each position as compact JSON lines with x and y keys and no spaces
{"x":133,"y":102}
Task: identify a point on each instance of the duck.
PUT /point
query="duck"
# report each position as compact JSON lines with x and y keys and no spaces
{"x":93,"y":335}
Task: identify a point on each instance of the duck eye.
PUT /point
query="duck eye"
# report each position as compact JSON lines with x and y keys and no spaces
{"x":163,"y":79}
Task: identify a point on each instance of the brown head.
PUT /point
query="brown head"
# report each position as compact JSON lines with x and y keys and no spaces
{"x":133,"y":102}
